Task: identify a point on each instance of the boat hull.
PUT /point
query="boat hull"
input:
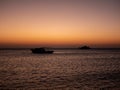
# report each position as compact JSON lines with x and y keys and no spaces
{"x":39,"y":52}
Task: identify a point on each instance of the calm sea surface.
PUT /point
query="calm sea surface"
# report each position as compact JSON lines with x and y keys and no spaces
{"x":63,"y":70}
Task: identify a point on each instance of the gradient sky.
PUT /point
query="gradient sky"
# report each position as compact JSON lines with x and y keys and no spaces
{"x":59,"y":23}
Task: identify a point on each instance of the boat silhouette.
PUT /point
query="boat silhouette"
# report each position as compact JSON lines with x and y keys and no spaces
{"x":41,"y":51}
{"x":85,"y":47}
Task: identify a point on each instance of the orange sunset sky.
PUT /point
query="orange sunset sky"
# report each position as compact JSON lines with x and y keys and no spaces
{"x":59,"y":23}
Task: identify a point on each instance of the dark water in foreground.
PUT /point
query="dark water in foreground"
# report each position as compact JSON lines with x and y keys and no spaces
{"x":63,"y":70}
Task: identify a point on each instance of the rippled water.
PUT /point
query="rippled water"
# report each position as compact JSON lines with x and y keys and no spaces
{"x":63,"y":70}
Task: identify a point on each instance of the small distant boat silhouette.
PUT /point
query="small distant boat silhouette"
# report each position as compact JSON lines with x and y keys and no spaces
{"x":41,"y":51}
{"x":85,"y":47}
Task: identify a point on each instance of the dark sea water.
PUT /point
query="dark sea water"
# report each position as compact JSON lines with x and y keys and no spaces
{"x":63,"y":70}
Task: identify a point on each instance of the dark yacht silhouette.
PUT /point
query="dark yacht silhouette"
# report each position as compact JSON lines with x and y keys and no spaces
{"x":85,"y":47}
{"x":41,"y":51}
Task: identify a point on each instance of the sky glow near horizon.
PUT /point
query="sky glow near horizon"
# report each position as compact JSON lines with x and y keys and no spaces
{"x":59,"y":23}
